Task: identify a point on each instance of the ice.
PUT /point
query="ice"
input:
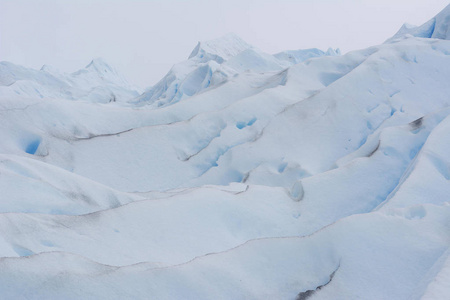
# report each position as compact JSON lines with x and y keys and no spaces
{"x":298,"y":56}
{"x":437,"y":27}
{"x":438,"y":287}
{"x":220,"y":49}
{"x":240,"y":175}
{"x":34,"y":187}
{"x":358,"y":250}
{"x":98,"y":82}
{"x":214,"y":62}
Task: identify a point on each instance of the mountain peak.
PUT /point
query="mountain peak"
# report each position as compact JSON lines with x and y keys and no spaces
{"x":101,"y":68}
{"x":437,"y":28}
{"x":220,"y":49}
{"x":51,"y":70}
{"x":100,"y":65}
{"x":441,"y":27}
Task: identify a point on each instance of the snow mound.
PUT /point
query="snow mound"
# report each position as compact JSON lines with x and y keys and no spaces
{"x":298,"y":56}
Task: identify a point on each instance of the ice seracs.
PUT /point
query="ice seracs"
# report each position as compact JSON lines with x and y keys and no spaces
{"x":214,"y":62}
{"x":437,"y":28}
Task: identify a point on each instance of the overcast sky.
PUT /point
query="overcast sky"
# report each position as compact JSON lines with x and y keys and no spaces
{"x":144,"y":38}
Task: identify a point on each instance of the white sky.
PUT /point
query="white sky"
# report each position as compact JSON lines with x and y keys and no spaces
{"x":144,"y":38}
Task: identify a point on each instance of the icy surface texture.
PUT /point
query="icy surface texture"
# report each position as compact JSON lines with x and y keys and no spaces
{"x":240,"y":175}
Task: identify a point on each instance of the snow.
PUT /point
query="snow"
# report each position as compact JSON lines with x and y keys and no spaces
{"x":214,"y":62}
{"x":298,"y":56}
{"x":97,"y":82}
{"x":439,"y":288}
{"x":437,"y":27}
{"x":363,"y":257}
{"x":220,"y":49}
{"x":240,"y":175}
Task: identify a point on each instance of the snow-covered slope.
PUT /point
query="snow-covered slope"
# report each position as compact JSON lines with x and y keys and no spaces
{"x":298,"y":56}
{"x":300,"y":175}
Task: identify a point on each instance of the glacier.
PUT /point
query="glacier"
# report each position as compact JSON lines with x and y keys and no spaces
{"x":306,"y":174}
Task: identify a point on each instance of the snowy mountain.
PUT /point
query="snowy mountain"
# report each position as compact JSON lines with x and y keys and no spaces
{"x":240,"y":175}
{"x":98,"y":82}
{"x":214,"y":62}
